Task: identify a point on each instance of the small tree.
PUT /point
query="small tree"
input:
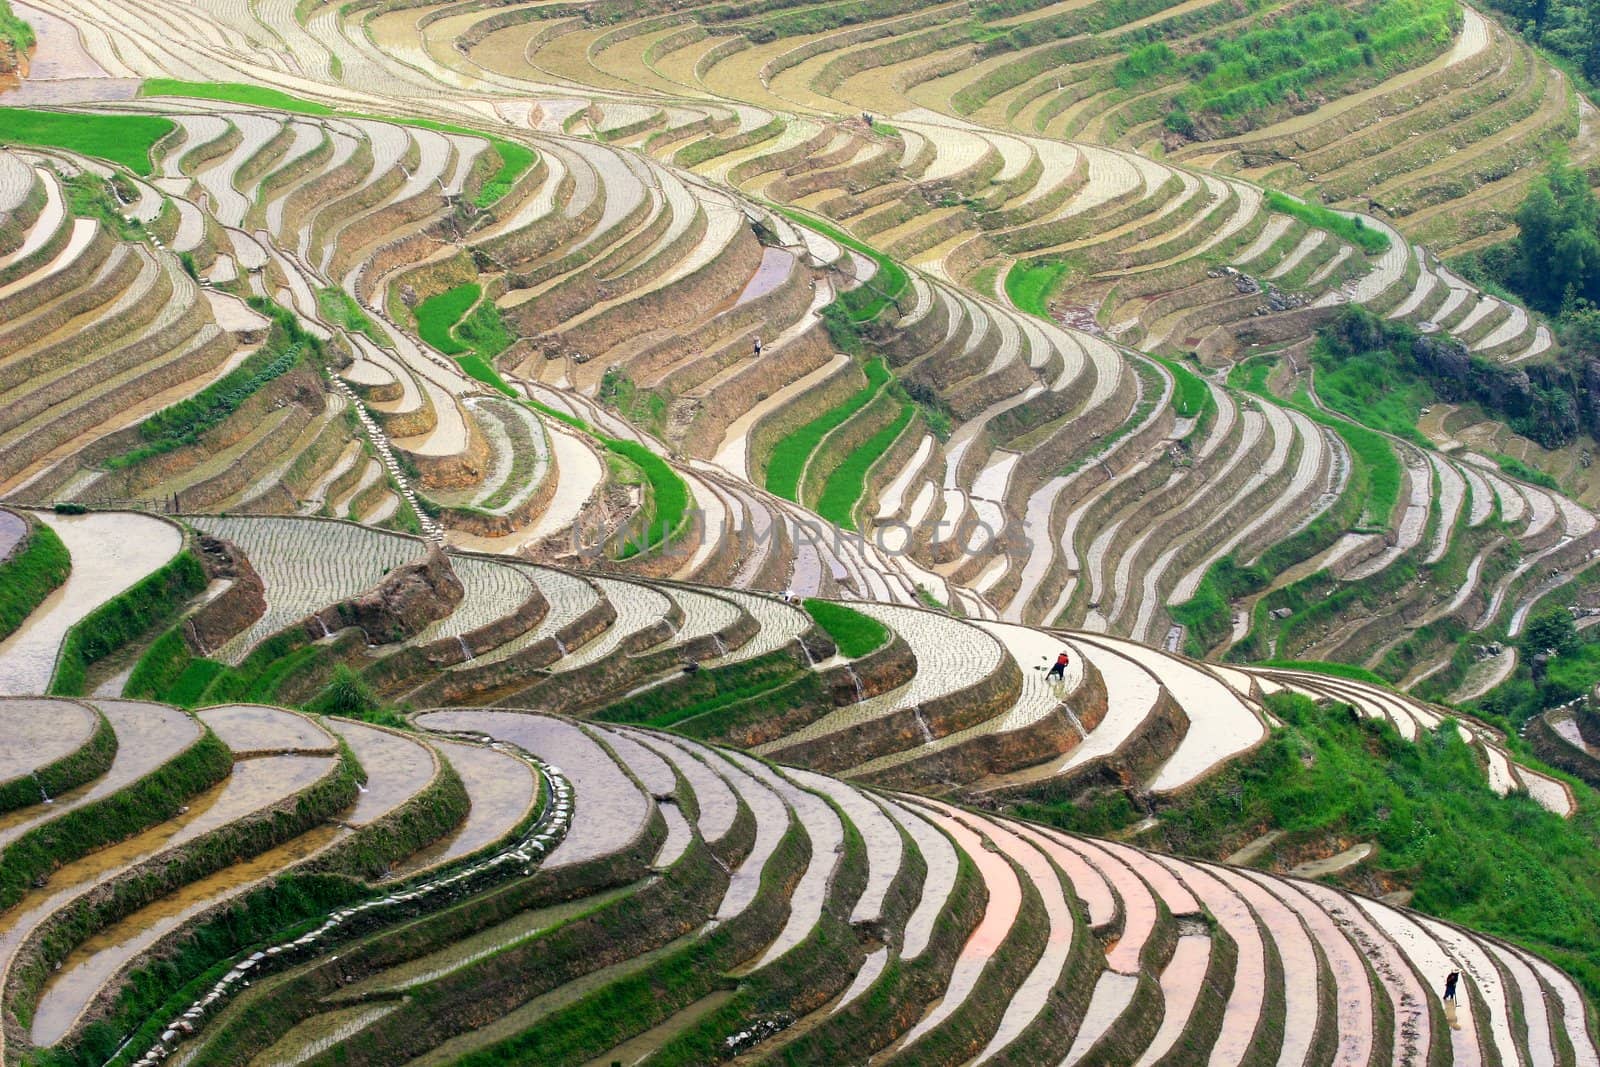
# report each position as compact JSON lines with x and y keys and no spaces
{"x":1554,"y":631}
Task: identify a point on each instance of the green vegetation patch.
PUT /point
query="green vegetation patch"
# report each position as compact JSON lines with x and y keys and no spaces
{"x":233,"y":92}
{"x":515,"y":159}
{"x":13,"y":29}
{"x":29,"y":574}
{"x":1554,"y":261}
{"x":1030,"y":284}
{"x":1318,"y":48}
{"x":437,"y":317}
{"x":668,"y":493}
{"x":1192,"y":397}
{"x":855,"y":634}
{"x":1374,"y":387}
{"x":1336,"y":670}
{"x":848,"y":481}
{"x":183,"y":423}
{"x":1572,"y":672}
{"x":1541,"y":401}
{"x":1372,"y":242}
{"x":1502,"y":865}
{"x":789,"y":456}
{"x":152,"y":602}
{"x":341,"y":309}
{"x":90,"y":196}
{"x":1518,"y":469}
{"x":122,"y":139}
{"x":460,"y":324}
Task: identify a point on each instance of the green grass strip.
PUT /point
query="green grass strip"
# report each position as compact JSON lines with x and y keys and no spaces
{"x":515,"y":159}
{"x":849,"y":479}
{"x":1518,"y":469}
{"x":27,"y":576}
{"x":1372,"y":242}
{"x":855,"y":634}
{"x":233,"y":92}
{"x":183,"y":423}
{"x":1369,"y":447}
{"x":122,"y":139}
{"x":152,"y":603}
{"x":339,"y":307}
{"x":788,"y":460}
{"x":1336,"y":670}
{"x":1192,"y":396}
{"x":670,"y":492}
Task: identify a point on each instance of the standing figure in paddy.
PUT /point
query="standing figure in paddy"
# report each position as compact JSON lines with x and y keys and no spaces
{"x":1060,"y":669}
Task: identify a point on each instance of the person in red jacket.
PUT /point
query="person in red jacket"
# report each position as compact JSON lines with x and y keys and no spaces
{"x":1060,"y":669}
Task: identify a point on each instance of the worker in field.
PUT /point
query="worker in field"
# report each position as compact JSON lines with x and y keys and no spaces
{"x":1059,"y":671}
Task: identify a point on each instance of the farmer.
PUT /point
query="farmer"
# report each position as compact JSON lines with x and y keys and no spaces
{"x":758,"y":347}
{"x":1450,"y":986}
{"x":1060,"y":668}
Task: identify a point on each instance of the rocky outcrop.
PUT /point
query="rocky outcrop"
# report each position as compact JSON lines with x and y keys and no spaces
{"x":231,"y":611}
{"x":408,"y":599}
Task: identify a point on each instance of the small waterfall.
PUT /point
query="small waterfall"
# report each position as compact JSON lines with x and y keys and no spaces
{"x":722,"y":649}
{"x":322,"y":626}
{"x":922,"y":728}
{"x":561,"y":646}
{"x":811,"y":661}
{"x":44,"y":798}
{"x":466,"y":652}
{"x":855,"y":679}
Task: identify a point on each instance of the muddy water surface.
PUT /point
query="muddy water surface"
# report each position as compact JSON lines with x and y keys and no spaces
{"x":39,"y":732}
{"x":58,"y":53}
{"x":501,"y":788}
{"x":147,"y":736}
{"x":11,"y":530}
{"x":87,"y":969}
{"x":398,"y":768}
{"x":609,"y":809}
{"x":110,"y":552}
{"x":255,"y":728}
{"x":253,"y":785}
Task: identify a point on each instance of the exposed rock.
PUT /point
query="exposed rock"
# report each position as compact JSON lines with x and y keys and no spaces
{"x":236,"y":607}
{"x":408,"y":599}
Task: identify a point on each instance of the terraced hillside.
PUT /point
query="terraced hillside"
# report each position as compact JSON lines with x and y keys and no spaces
{"x":549,"y":337}
{"x":989,"y":461}
{"x":688,"y":902}
{"x":474,"y":378}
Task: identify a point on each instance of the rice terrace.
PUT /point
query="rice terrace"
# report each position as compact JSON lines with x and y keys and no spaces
{"x":800,"y":532}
